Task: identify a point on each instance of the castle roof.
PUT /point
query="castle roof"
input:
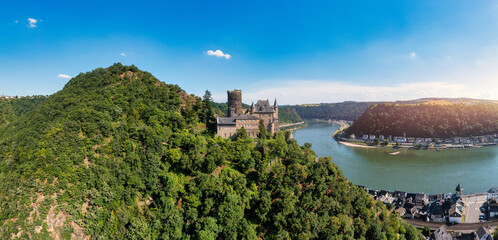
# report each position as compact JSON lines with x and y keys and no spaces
{"x":225,"y":121}
{"x":263,"y":106}
{"x":231,"y":120}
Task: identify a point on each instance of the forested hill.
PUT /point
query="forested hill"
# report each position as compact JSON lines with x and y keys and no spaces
{"x":12,"y":108}
{"x":429,"y":120}
{"x":344,"y":110}
{"x":351,"y":111}
{"x":117,"y":154}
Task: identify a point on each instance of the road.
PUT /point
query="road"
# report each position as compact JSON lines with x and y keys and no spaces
{"x":464,"y":227}
{"x":471,"y":207}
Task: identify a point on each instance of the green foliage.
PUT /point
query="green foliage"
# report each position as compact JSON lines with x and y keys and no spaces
{"x":262,"y":132}
{"x":344,"y":110}
{"x":288,"y":115}
{"x":121,"y":154}
{"x":428,"y":120}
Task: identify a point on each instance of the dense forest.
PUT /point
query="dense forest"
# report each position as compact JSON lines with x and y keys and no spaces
{"x":288,"y":115}
{"x":344,"y":110}
{"x":117,"y":154}
{"x":428,"y":120}
{"x":13,"y":108}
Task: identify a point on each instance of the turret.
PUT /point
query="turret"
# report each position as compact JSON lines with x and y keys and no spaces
{"x":275,"y":107}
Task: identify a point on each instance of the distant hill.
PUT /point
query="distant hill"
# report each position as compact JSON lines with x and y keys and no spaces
{"x":429,"y":118}
{"x":351,"y":111}
{"x":344,"y":110}
{"x":118,"y":154}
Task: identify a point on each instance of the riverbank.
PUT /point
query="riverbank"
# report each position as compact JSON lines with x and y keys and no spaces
{"x":355,"y":145}
{"x":293,"y":126}
{"x":405,"y":146}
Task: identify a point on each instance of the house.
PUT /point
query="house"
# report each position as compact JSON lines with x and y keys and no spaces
{"x":365,"y":137}
{"x":400,"y":139}
{"x":420,"y":200}
{"x":381,"y":137}
{"x":411,"y":210}
{"x":493,"y":208}
{"x":371,"y":137}
{"x":483,"y":233}
{"x":441,"y":234}
{"x":352,"y":136}
{"x":401,"y":211}
{"x":455,"y":213}
{"x":436,"y":212}
{"x":492,"y":193}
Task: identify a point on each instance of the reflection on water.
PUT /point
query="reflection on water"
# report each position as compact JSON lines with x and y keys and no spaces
{"x":426,"y":171}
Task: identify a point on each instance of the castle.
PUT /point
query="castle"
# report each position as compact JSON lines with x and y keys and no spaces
{"x":237,"y":117}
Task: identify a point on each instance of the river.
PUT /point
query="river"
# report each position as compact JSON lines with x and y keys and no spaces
{"x":425,"y":171}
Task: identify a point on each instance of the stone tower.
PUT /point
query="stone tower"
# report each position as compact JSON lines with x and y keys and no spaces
{"x":234,"y":103}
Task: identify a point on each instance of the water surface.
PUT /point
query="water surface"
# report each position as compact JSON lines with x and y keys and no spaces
{"x":426,"y":171}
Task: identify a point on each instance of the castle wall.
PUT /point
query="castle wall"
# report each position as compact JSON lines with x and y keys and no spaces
{"x":226,"y":131}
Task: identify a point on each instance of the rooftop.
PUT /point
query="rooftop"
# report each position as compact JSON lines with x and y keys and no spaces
{"x":263,"y":106}
{"x":493,"y":190}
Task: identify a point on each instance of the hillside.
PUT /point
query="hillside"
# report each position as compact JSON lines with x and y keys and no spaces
{"x":117,"y":154}
{"x":344,"y":110}
{"x":351,"y":111}
{"x":13,"y":108}
{"x":428,"y":119}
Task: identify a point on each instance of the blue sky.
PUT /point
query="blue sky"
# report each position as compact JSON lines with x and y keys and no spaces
{"x":295,"y":51}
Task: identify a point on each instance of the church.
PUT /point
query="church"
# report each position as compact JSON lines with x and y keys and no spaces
{"x":237,"y":117}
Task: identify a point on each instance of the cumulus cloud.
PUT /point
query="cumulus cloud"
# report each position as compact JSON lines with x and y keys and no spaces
{"x":413,"y":54}
{"x":218,"y":53}
{"x":320,"y":91}
{"x":123,"y":54}
{"x":64,"y":76}
{"x":16,"y":21}
{"x":32,"y":22}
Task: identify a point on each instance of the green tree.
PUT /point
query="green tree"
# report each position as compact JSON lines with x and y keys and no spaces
{"x":262,"y":132}
{"x":208,"y":112}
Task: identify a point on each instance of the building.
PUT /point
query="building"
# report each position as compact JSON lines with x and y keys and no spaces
{"x":455,"y":213}
{"x":483,"y":233}
{"x":492,"y":193}
{"x":249,"y":119}
{"x":441,"y":234}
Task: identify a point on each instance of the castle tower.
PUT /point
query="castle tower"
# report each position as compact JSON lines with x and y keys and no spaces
{"x":234,"y":103}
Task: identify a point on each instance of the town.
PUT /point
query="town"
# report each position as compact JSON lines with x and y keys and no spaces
{"x":449,"y":208}
{"x":421,"y":143}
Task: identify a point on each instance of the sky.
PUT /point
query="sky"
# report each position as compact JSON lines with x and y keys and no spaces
{"x":295,"y":51}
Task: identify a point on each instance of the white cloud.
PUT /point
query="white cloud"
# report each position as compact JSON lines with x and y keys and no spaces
{"x":64,"y":76}
{"x":218,"y":53}
{"x":30,"y":92}
{"x":123,"y":54}
{"x":413,"y":54}
{"x":16,"y":21}
{"x":32,"y":22}
{"x":320,"y":91}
